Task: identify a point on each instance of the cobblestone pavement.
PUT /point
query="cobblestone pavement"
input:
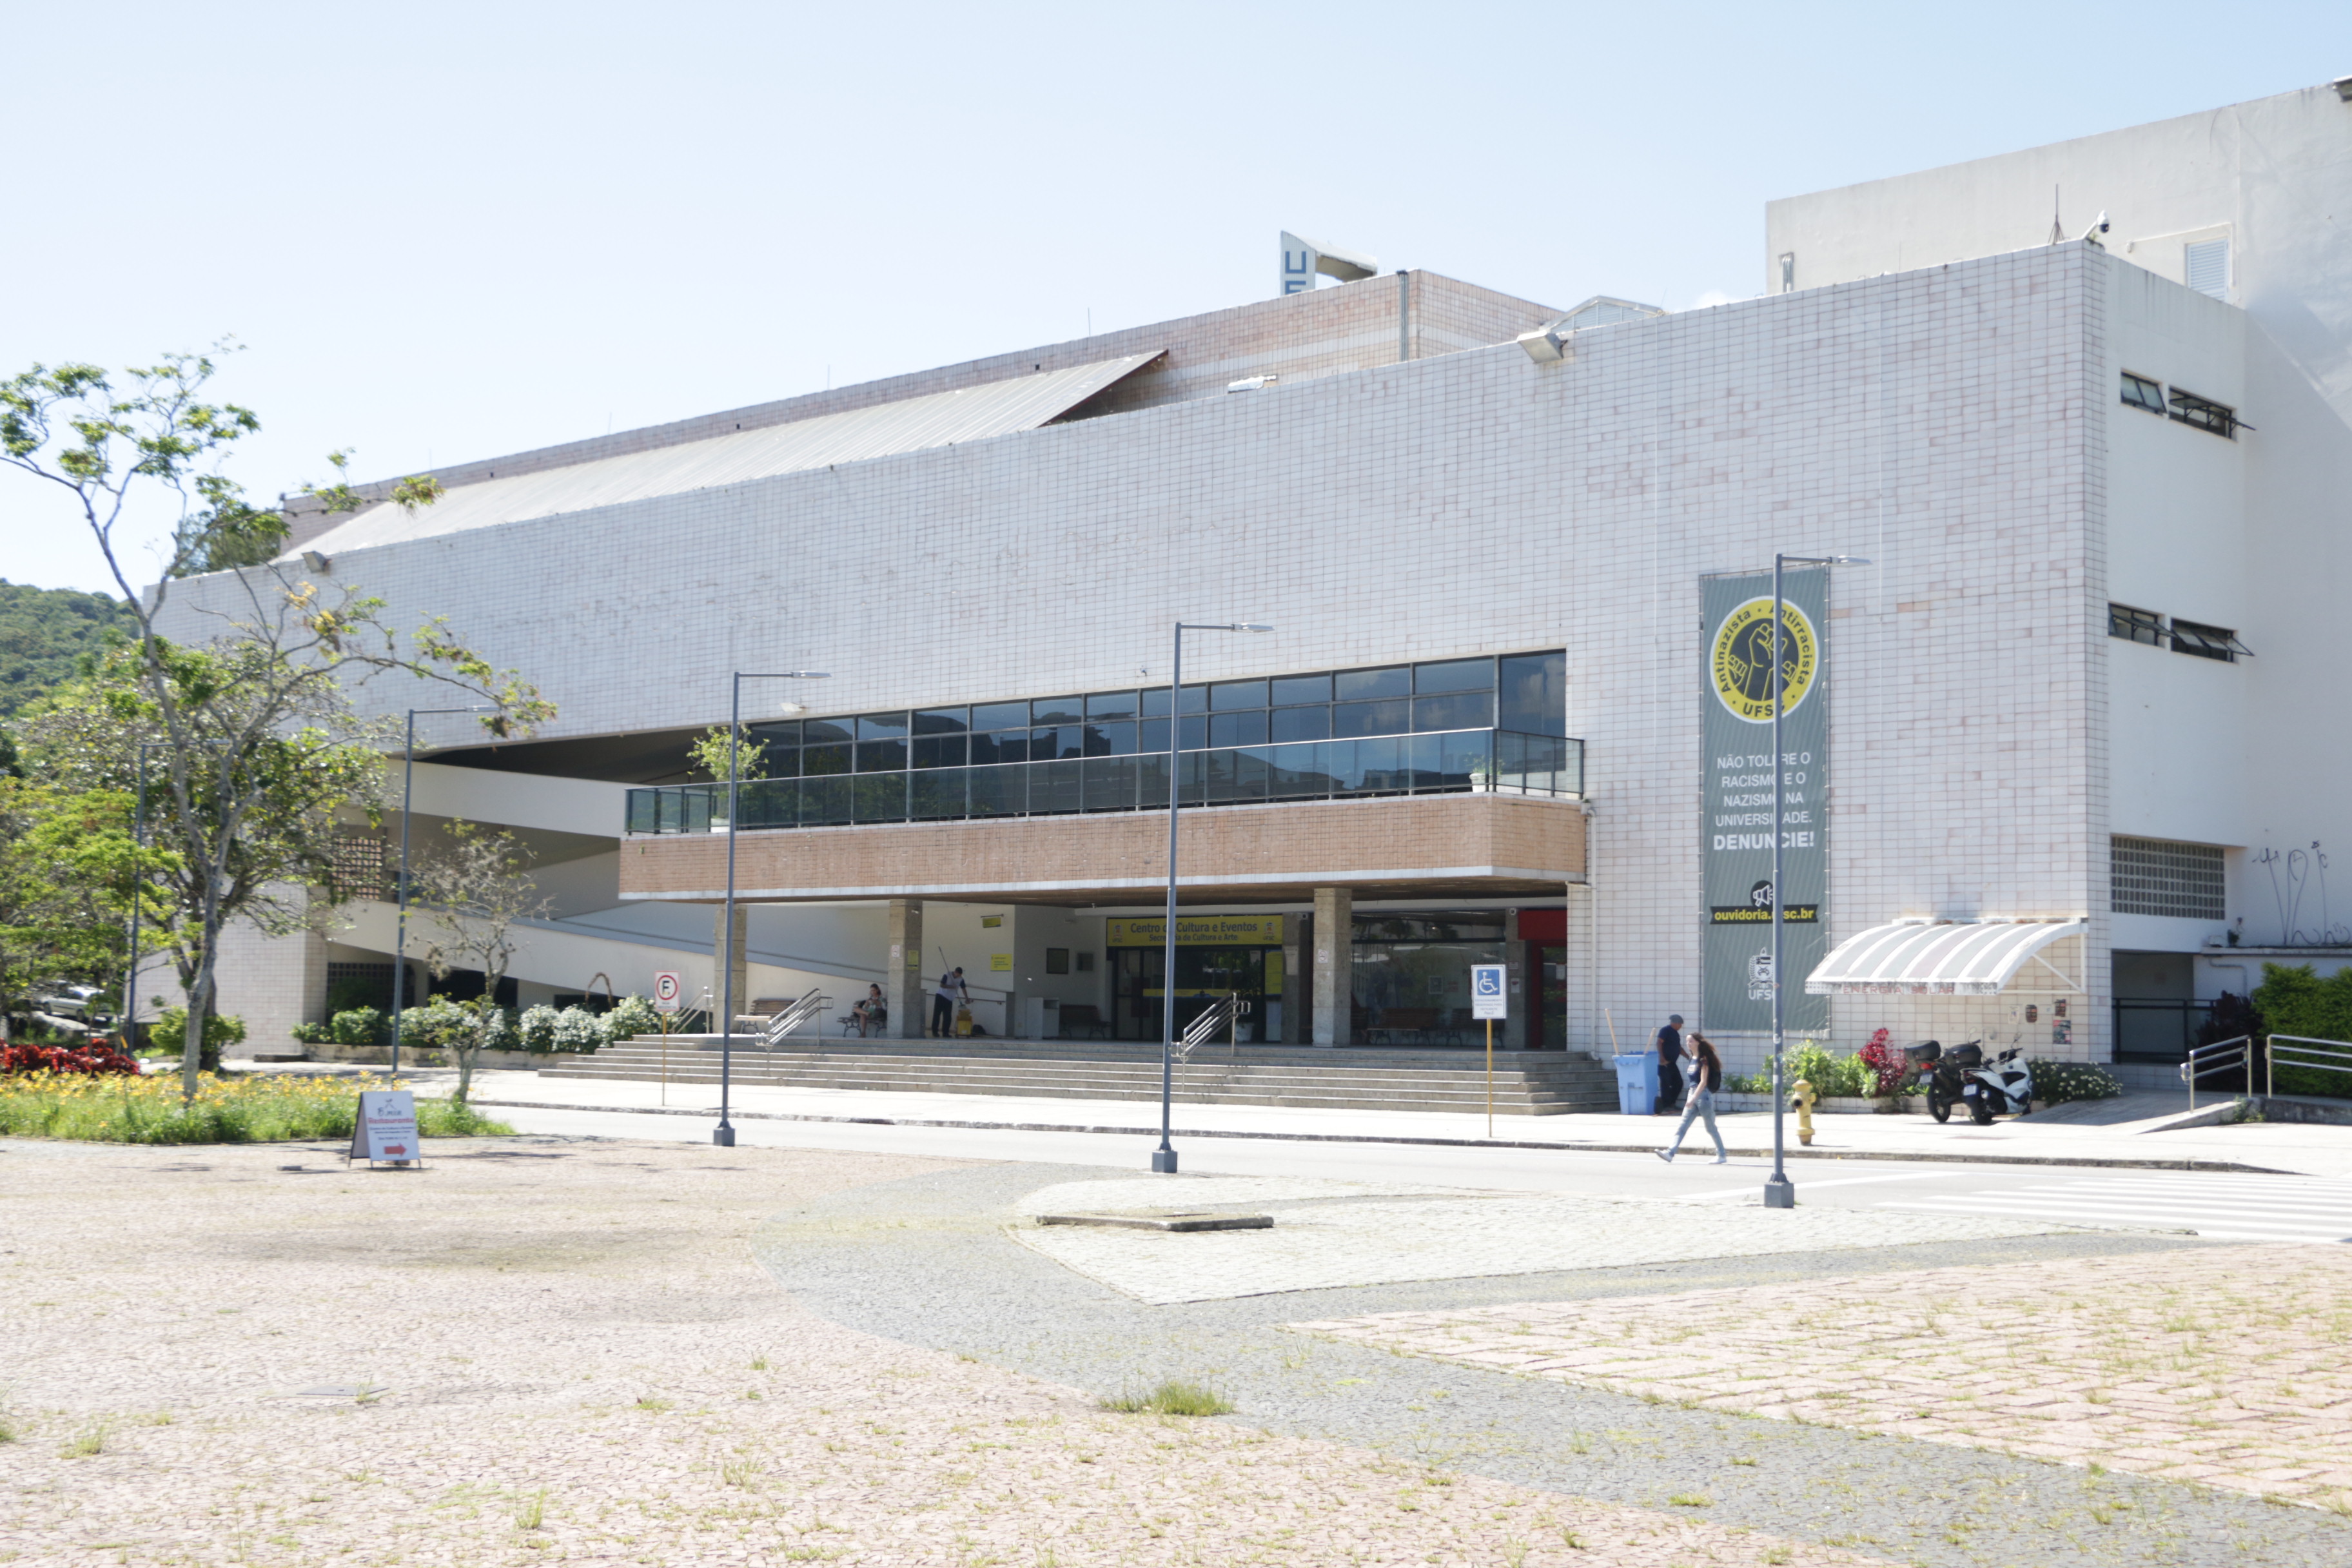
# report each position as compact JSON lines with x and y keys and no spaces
{"x":2226,"y":1366}
{"x":534,"y":1351}
{"x":931,"y":1260}
{"x":1332,"y":1234}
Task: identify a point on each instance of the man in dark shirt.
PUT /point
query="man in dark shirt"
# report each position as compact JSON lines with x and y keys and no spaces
{"x":1670,"y":1065}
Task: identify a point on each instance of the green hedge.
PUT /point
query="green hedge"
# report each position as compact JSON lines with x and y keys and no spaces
{"x":2293,"y":1000}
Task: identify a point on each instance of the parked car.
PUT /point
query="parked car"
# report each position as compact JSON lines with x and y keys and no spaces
{"x":67,"y":1000}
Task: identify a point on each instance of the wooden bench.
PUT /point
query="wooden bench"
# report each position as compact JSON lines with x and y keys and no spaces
{"x":1081,"y":1015}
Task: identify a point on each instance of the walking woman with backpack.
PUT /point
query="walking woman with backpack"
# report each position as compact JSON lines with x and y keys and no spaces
{"x":1703,"y":1070}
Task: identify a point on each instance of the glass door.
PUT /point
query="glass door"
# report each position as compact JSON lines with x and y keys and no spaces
{"x":1550,"y":965}
{"x":1202,"y":976}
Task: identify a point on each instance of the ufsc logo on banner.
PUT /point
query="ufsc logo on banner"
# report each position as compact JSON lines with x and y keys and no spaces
{"x":670,"y":991}
{"x":1488,"y":998}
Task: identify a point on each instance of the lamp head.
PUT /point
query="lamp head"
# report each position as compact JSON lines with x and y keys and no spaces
{"x":1248,"y":626}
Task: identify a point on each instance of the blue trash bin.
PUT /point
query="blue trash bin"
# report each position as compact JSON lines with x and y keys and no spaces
{"x":1637,"y":1083}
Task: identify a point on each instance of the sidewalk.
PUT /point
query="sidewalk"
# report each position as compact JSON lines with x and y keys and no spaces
{"x":2060,"y":1138}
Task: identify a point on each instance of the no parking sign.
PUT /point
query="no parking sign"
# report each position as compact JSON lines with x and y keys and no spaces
{"x":670,"y":991}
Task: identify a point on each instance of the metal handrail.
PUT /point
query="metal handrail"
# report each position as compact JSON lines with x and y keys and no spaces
{"x":2299,"y":1049}
{"x":1224,"y":1013}
{"x":810,"y":1002}
{"x":2204,"y":1061}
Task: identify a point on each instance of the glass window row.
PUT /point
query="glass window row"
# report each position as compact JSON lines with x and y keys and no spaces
{"x":1522,"y":692}
{"x":1478,"y":759}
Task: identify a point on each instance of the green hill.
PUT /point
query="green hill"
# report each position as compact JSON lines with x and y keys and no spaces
{"x":44,"y":630}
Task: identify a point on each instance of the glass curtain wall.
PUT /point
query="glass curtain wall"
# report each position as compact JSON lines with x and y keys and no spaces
{"x":1485,"y":723}
{"x":1411,"y":977}
{"x":1436,"y":727}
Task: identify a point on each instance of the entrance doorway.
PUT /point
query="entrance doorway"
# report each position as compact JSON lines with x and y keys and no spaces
{"x":1549,"y":1028}
{"x":1202,"y":976}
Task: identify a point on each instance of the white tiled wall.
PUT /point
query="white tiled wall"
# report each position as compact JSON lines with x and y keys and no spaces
{"x":1946,"y":423}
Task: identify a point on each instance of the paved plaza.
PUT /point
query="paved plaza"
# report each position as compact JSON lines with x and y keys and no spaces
{"x":1327,"y":1234}
{"x":615,"y":1350}
{"x":2224,"y":1367}
{"x":534,"y":1350}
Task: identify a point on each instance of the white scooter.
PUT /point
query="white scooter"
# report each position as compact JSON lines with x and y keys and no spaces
{"x":1961,"y":1076}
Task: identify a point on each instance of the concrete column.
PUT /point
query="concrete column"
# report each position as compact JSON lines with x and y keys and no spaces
{"x":726,"y":956}
{"x":1521,"y":986}
{"x":1334,"y":958}
{"x":1294,"y":984}
{"x":904,"y":987}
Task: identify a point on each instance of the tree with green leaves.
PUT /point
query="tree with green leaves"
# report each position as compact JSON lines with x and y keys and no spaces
{"x":45,"y":634}
{"x":709,"y":753}
{"x":476,"y":888}
{"x":256,"y":747}
{"x":68,"y":870}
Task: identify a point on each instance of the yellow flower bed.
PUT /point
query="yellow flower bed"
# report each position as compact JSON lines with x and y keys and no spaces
{"x":262,"y":1109}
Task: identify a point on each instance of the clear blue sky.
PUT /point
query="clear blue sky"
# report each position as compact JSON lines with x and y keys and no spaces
{"x":451,"y":231}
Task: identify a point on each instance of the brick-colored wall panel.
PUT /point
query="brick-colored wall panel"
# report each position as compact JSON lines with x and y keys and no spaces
{"x":1505,"y":843}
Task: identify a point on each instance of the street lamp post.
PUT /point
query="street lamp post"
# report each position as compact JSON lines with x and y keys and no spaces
{"x":723,"y":1135}
{"x":400,"y":929}
{"x":1780,"y":1193}
{"x":1163,"y":1159}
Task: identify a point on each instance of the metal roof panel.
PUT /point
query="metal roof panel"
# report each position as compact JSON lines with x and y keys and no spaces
{"x":911,"y":424}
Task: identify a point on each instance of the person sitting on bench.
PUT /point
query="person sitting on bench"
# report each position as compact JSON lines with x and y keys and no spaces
{"x":870,"y":1015}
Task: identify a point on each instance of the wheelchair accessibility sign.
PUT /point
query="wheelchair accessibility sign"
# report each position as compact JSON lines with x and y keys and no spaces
{"x":1488,"y":999}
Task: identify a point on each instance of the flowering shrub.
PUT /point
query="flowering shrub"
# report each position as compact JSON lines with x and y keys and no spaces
{"x":545,"y":1029}
{"x":577,"y":1029}
{"x":100,"y":1056}
{"x":536,"y":1028}
{"x":1890,"y":1070}
{"x":259,"y":1109}
{"x":631,"y":1015}
{"x":2054,"y":1083}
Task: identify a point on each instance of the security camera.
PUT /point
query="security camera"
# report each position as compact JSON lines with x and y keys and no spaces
{"x":2091,"y":234}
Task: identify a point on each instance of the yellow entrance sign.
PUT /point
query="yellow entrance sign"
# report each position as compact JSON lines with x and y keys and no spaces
{"x":1199,"y":931}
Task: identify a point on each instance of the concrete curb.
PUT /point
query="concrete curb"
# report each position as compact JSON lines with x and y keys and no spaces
{"x":1795,"y":1152}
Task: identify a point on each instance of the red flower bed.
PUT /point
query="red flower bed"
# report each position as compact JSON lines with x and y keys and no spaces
{"x":1892,"y":1068}
{"x":97,"y":1056}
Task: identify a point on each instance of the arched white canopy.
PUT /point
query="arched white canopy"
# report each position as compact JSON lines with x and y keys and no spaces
{"x":1949,"y":958}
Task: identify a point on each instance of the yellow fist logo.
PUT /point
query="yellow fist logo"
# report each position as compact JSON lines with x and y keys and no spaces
{"x":1742,"y":659}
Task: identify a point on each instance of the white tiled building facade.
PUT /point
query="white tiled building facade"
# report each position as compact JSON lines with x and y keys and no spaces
{"x":1403,"y":493}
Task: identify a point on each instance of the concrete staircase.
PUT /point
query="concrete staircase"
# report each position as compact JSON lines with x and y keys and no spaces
{"x":1527,"y":1083}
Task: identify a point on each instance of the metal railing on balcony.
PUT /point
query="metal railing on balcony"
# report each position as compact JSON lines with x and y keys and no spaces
{"x":1489,"y":762}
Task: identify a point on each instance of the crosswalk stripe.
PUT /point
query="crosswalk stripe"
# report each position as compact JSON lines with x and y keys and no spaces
{"x":2237,"y":1208}
{"x":2209,"y":1205}
{"x":2202,"y":1224}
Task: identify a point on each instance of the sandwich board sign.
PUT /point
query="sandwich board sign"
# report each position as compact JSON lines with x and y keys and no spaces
{"x":1488,"y":999}
{"x":670,"y":991}
{"x":385,"y":1131}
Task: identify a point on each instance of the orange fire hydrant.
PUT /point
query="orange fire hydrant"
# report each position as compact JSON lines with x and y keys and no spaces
{"x":1801,"y":1096}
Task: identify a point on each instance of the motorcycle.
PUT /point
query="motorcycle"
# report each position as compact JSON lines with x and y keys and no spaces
{"x":1962,"y":1076}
